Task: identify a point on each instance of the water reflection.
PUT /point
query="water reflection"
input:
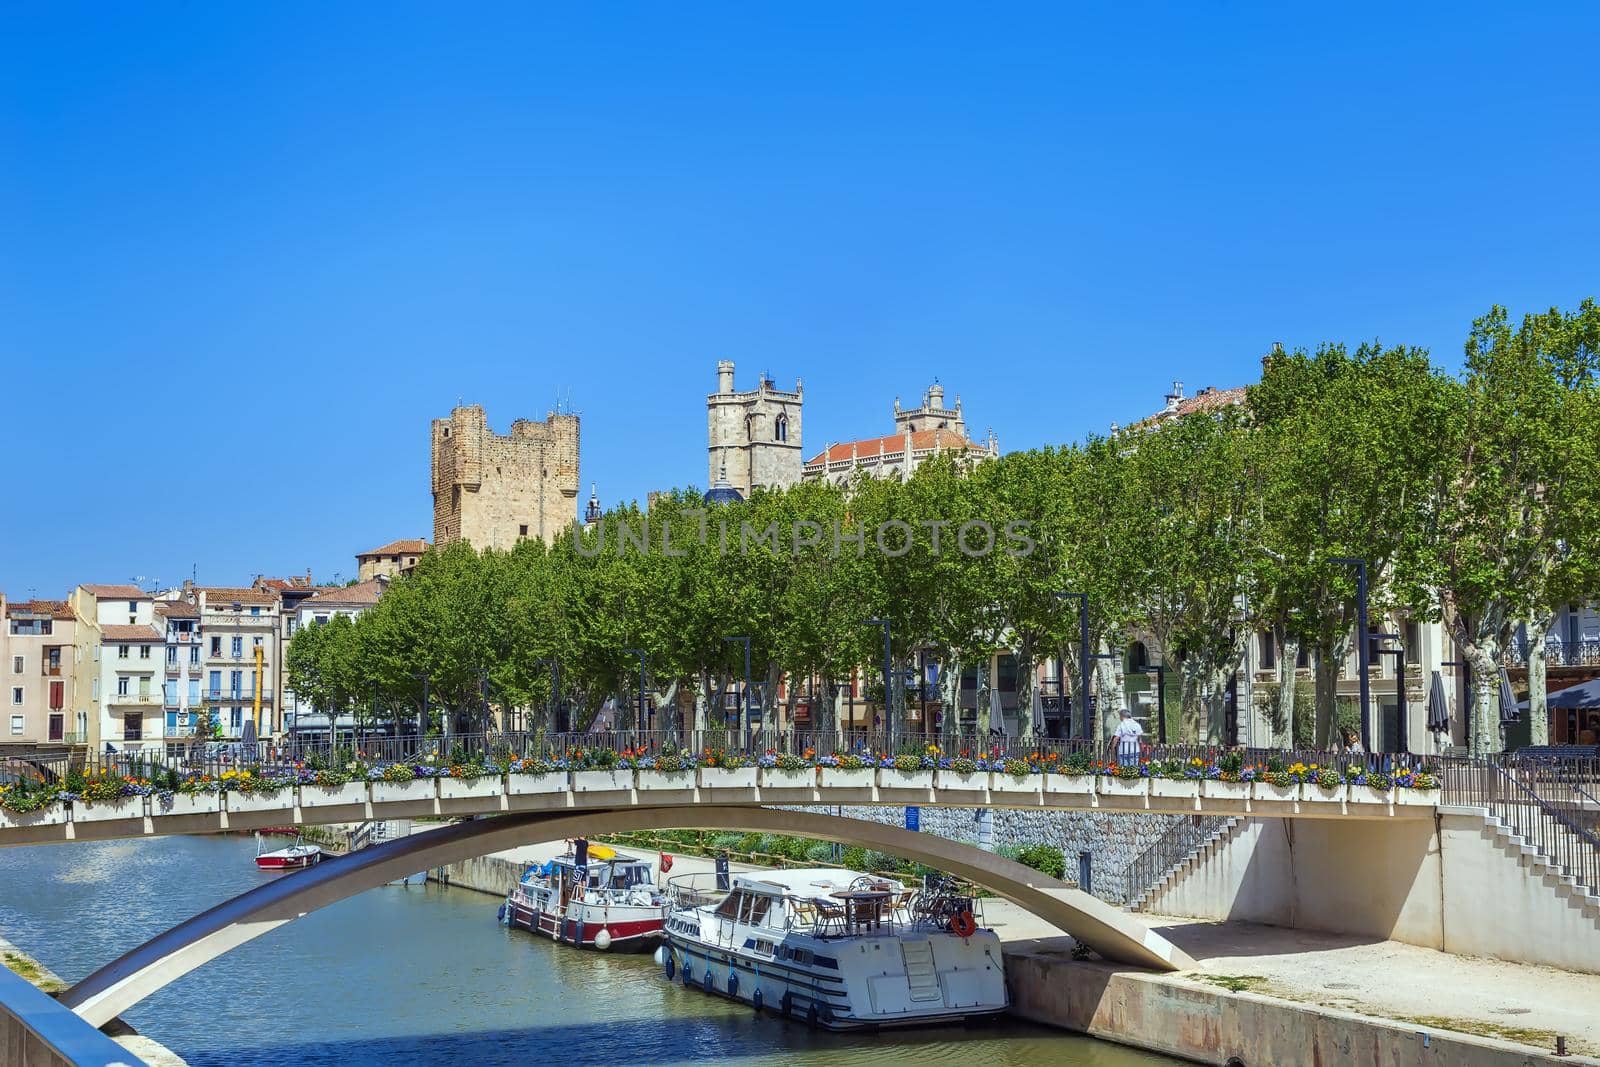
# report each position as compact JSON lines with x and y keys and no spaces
{"x":423,"y":975}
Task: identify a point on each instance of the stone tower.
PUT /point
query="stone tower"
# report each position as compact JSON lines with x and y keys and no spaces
{"x":493,"y":490}
{"x":932,"y":415}
{"x":755,"y":435}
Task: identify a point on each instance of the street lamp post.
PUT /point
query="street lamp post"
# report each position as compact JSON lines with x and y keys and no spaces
{"x":1363,"y":647}
{"x":888,"y":682}
{"x":1399,"y":654}
{"x":1160,"y":670}
{"x":1083,"y":660}
{"x":744,"y":701}
{"x":639,"y":723}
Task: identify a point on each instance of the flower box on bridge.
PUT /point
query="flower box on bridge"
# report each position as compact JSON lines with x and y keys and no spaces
{"x":797,"y":784}
{"x":50,"y":815}
{"x":615,"y":780}
{"x":346,"y":802}
{"x":972,"y":787}
{"x":1186,"y":788}
{"x":104,"y":810}
{"x":912,"y":786}
{"x":471,"y":794}
{"x":1371,"y":797}
{"x":657,"y":782}
{"x":1111,"y":786}
{"x":1075,"y":785}
{"x":722,"y":779}
{"x":419,"y":792}
{"x":859,"y":778}
{"x":522,"y":785}
{"x":1316,"y":793}
{"x":1416,"y":797}
{"x":1217,"y":789}
{"x":1282,"y":793}
{"x":1005,"y":787}
{"x":277,"y":800}
{"x":186,"y":804}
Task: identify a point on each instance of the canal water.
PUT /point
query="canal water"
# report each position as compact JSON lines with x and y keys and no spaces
{"x":423,"y":975}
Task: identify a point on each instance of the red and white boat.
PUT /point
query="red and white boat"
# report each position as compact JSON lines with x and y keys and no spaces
{"x":609,"y":901}
{"x":292,"y":858}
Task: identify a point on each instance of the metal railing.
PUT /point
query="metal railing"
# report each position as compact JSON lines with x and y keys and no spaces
{"x":1550,"y":803}
{"x":1177,"y":844}
{"x":1557,"y":653}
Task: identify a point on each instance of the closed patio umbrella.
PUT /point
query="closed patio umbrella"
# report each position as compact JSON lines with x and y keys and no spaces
{"x":1438,"y":710}
{"x":1038,"y":712}
{"x":1508,"y":701}
{"x":997,"y":718}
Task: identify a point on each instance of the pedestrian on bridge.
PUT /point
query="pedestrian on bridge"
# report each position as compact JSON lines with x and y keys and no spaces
{"x":1128,"y":733}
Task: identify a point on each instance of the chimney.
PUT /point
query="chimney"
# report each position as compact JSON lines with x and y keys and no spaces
{"x":1174,"y":398}
{"x":725,"y":376}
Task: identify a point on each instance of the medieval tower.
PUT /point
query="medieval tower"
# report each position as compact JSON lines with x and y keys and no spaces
{"x":492,"y":491}
{"x":754,"y":436}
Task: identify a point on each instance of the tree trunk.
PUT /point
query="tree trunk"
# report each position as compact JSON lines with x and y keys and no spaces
{"x":950,"y":700}
{"x":1193,"y":700}
{"x":1483,"y":655}
{"x":1538,"y":690}
{"x":1025,"y":685}
{"x":1326,"y":666}
{"x":1283,"y":711}
{"x":1215,"y":695}
{"x":982,"y":694}
{"x":701,"y":695}
{"x":1108,"y":682}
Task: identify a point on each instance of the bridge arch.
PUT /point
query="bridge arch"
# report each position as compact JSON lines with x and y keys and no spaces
{"x":119,"y":985}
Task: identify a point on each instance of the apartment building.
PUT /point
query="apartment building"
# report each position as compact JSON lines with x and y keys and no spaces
{"x":182,"y":703}
{"x":301,"y":717}
{"x":36,"y":651}
{"x":241,"y":653}
{"x":118,"y":655}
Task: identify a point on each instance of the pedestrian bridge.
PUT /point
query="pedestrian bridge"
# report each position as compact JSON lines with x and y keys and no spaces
{"x":590,"y":790}
{"x":108,"y":992}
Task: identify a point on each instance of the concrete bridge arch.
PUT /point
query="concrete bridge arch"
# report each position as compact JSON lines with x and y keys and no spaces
{"x":119,"y":985}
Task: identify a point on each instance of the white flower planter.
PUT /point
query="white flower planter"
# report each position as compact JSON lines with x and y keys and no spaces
{"x":105,"y":810}
{"x":186,"y":804}
{"x":282,"y":800}
{"x":480,"y":788}
{"x":417,"y":790}
{"x":1078,"y":785}
{"x":521,"y":785}
{"x":839,"y":778}
{"x":1009,"y":786}
{"x":1312,"y":793}
{"x":653,"y":781}
{"x":51,"y":815}
{"x":778,"y":778}
{"x":1365,"y":794}
{"x":1217,"y":789}
{"x":919,"y":781}
{"x":715,"y":778}
{"x":316,"y":797}
{"x":1109,"y":786}
{"x":1285,"y":793}
{"x":1416,"y":797}
{"x":972,"y":786}
{"x":617,"y":780}
{"x":1188,"y":788}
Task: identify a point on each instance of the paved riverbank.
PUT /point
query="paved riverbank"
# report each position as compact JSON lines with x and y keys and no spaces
{"x":151,"y":1052}
{"x":1268,"y":993}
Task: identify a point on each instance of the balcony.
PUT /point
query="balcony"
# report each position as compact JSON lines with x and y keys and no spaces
{"x":175,"y":669}
{"x":223,"y":622}
{"x":1584,"y":653}
{"x":235,"y":696}
{"x":135,"y":699}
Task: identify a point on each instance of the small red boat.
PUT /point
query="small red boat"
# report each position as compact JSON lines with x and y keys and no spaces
{"x":293,"y":858}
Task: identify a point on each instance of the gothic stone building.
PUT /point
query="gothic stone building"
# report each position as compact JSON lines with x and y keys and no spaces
{"x":492,"y":490}
{"x":753,"y":437}
{"x":919,"y":434}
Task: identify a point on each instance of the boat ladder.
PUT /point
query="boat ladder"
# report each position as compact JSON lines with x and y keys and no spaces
{"x":920,"y":972}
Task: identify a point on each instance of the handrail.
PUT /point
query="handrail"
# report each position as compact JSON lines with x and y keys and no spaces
{"x":1567,"y":844}
{"x":1174,"y":845}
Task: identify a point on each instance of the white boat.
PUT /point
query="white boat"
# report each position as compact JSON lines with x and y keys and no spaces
{"x":292,"y":858}
{"x":837,"y":948}
{"x":611,"y":903}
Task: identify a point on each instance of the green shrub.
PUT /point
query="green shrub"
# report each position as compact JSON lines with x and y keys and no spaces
{"x":819,"y":852}
{"x":855,"y":858}
{"x":1046,"y":859}
{"x":726,"y":842}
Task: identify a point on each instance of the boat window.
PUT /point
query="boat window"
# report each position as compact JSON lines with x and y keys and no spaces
{"x":759,"y":904}
{"x":729,"y":908}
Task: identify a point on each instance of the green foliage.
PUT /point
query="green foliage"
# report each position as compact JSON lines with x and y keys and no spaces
{"x":1046,"y":859}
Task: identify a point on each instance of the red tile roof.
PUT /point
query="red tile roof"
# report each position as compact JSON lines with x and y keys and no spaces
{"x":360,"y":595}
{"x":921,"y":440}
{"x":130,"y":634}
{"x":56,"y":609}
{"x":408,"y":546}
{"x":219,"y":597}
{"x":117,"y":592}
{"x":1208,"y":399}
{"x":177,"y":609}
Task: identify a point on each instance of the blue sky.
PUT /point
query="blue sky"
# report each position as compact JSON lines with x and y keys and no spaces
{"x":248,"y":252}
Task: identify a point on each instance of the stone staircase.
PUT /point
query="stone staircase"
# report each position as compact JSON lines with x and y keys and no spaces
{"x":1193,"y":847}
{"x":1563,"y":879}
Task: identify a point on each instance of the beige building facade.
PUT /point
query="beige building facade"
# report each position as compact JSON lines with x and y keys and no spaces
{"x":390,"y":560}
{"x":753,"y":437}
{"x":493,"y":490}
{"x":37,"y":648}
{"x":119,"y":655}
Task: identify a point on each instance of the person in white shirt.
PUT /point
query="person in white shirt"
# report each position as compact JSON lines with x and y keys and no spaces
{"x":1128,"y":733}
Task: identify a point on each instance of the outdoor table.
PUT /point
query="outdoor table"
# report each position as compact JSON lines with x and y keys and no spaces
{"x":863,"y":907}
